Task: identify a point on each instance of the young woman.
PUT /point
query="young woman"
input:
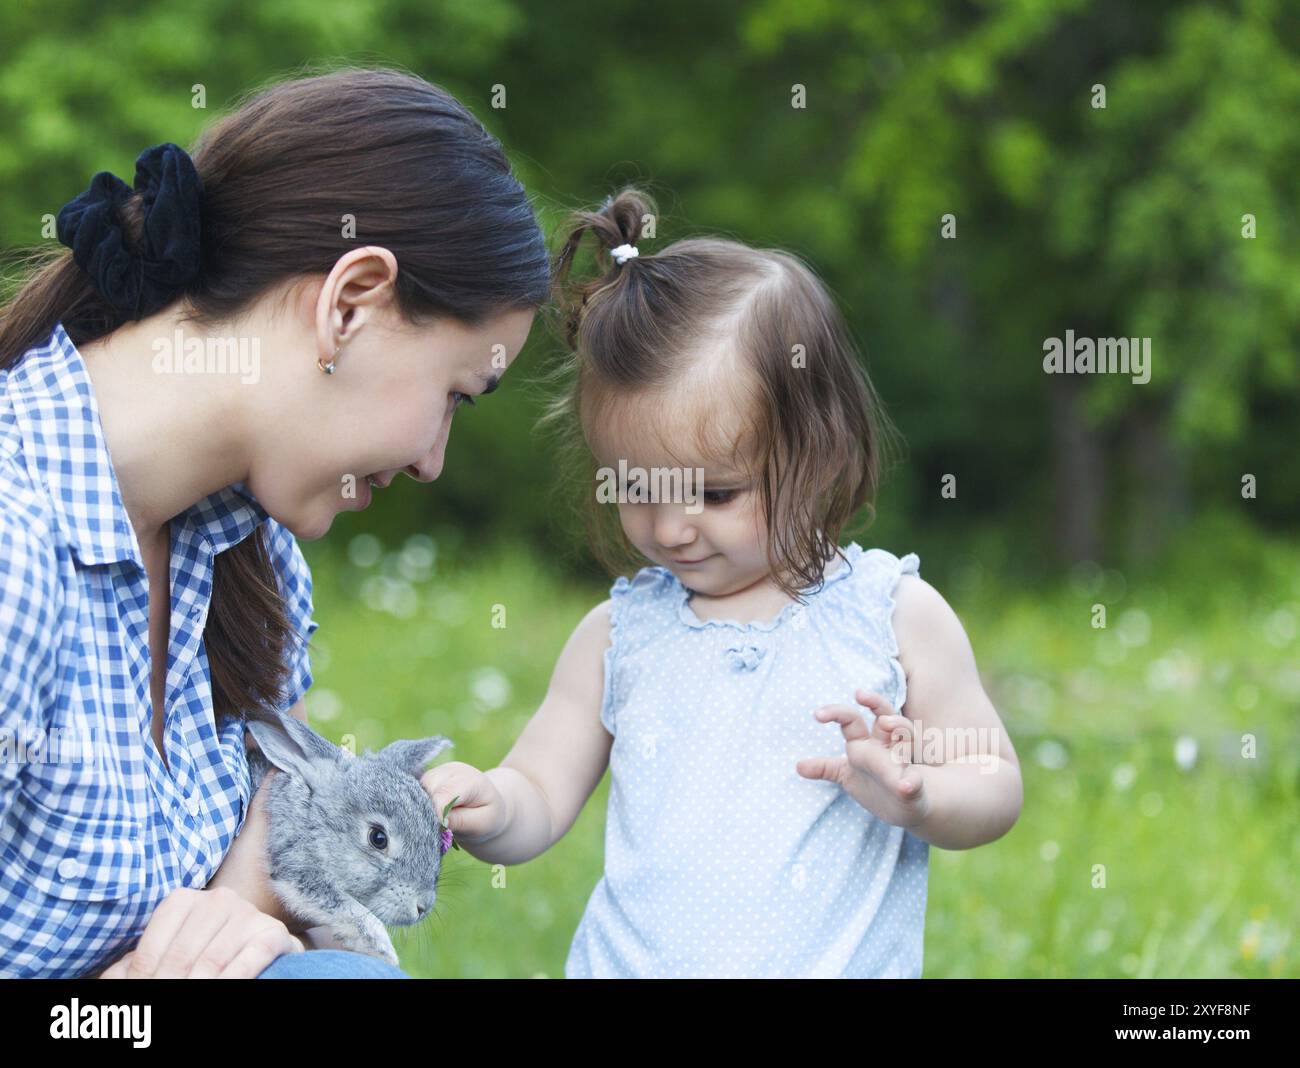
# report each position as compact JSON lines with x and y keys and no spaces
{"x":251,"y":340}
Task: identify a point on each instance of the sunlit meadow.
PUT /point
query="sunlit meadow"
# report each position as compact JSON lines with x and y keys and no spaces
{"x":1149,"y":845}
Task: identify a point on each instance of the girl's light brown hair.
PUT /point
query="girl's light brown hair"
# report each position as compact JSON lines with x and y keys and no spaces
{"x":422,"y":177}
{"x":815,"y":429}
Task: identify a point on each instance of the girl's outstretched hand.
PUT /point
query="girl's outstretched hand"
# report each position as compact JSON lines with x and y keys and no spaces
{"x":478,"y":811}
{"x":877,"y":769}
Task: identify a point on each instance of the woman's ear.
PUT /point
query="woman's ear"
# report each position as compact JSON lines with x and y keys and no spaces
{"x":361,"y":284}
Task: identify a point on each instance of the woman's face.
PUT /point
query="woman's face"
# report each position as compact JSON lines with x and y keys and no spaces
{"x":387,"y":410}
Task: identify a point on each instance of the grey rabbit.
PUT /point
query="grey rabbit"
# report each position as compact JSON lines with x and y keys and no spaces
{"x":353,"y":841}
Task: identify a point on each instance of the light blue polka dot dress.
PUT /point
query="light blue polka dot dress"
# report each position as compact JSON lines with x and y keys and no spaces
{"x":721,"y":860}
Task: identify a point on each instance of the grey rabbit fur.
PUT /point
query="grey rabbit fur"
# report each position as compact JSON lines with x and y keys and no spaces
{"x":353,"y":841}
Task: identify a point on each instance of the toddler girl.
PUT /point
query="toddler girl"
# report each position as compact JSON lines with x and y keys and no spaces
{"x":771,"y":809}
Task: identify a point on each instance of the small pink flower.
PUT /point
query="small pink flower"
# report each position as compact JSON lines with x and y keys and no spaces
{"x":444,"y":839}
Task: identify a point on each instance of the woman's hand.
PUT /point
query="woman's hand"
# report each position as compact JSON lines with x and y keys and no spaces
{"x":877,"y":769}
{"x":205,"y":934}
{"x":481,"y":811}
{"x":244,"y":868}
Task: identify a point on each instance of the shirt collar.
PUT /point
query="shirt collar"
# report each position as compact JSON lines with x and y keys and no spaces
{"x":58,"y":418}
{"x":224,"y":518}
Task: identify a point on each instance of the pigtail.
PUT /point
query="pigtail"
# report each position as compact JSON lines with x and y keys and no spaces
{"x":617,"y":222}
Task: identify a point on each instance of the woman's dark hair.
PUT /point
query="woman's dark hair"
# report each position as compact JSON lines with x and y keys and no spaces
{"x":420,"y":175}
{"x":814,"y":428}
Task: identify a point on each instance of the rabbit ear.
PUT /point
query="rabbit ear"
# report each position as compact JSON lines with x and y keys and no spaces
{"x":412,"y":754}
{"x":291,"y":745}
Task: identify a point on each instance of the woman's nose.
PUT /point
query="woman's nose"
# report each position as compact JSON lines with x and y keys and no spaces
{"x":427,"y":469}
{"x":430,"y":466}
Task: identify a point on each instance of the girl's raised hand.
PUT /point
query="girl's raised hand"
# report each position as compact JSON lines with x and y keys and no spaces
{"x":876,"y":769}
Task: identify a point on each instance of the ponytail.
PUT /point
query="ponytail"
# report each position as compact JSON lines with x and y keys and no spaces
{"x":616,"y":223}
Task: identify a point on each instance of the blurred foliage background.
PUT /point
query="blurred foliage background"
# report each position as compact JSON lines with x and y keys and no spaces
{"x":1122,"y":221}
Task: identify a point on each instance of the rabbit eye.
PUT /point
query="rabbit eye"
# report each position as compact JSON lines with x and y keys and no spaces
{"x":378,"y":838}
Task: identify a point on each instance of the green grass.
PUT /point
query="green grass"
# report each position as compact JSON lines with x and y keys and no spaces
{"x":1126,"y":861}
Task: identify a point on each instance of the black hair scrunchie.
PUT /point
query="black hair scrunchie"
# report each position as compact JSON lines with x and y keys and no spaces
{"x":139,"y":283}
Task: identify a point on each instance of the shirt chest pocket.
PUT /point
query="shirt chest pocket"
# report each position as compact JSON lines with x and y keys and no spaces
{"x":71,"y":855}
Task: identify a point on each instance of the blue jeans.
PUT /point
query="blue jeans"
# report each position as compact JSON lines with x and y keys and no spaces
{"x":330,"y":964}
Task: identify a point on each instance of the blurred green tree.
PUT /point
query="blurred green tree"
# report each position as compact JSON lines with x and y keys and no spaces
{"x":1122,"y":221}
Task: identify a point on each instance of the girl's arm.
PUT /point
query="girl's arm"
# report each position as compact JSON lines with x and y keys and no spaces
{"x":561,"y":755}
{"x":971,"y":773}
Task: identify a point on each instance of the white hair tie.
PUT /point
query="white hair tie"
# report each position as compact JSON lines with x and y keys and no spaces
{"x":624,"y":253}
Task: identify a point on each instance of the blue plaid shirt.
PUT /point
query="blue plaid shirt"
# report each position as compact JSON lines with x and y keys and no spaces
{"x":95,"y":829}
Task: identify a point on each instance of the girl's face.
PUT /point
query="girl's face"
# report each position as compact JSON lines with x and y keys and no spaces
{"x":387,"y":410}
{"x":716,"y":547}
{"x":713,"y":539}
